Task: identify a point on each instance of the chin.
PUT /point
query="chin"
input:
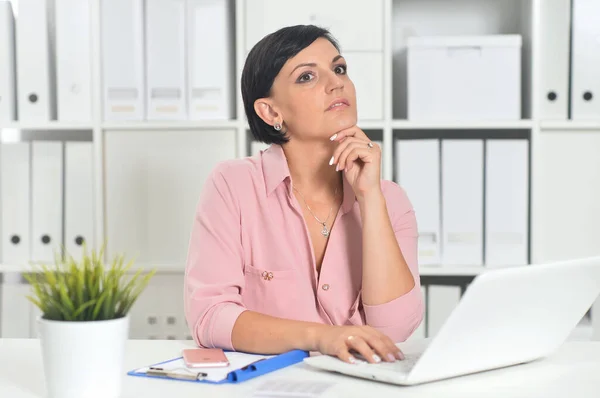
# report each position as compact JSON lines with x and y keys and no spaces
{"x":342,"y":122}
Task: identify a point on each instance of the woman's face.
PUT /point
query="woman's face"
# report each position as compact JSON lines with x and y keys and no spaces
{"x":313,"y":94}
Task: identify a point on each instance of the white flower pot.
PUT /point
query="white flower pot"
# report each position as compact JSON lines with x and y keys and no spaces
{"x":83,"y":359}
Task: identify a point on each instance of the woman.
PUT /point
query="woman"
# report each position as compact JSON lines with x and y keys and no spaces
{"x":303,"y":246}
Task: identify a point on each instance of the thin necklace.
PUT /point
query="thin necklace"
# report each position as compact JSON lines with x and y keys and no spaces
{"x":325,"y":231}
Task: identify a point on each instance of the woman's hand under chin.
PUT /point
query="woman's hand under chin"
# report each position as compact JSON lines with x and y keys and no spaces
{"x":361,"y":164}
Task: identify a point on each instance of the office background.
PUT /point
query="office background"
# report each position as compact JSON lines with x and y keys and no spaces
{"x":113,"y":112}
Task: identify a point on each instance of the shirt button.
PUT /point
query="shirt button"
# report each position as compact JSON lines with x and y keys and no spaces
{"x":325,"y":287}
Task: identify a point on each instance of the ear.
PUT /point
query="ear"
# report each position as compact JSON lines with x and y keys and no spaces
{"x":266,"y":110}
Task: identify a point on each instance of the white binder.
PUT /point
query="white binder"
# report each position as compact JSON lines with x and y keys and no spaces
{"x":79,"y":197}
{"x":210,"y":59}
{"x":144,"y":180}
{"x":554,"y":32}
{"x":73,"y":60}
{"x":15,"y":171}
{"x":165,"y":54}
{"x":15,"y":310}
{"x":462,"y":202}
{"x":123,"y":59}
{"x":35,"y":66}
{"x":585,"y":58}
{"x":442,"y":300}
{"x":418,"y":172}
{"x":8,"y":99}
{"x":46,"y":200}
{"x":506,"y":202}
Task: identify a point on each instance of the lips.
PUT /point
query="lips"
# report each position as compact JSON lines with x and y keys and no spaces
{"x":337,"y":104}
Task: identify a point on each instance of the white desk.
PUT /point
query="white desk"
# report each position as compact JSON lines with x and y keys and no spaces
{"x":574,"y":372}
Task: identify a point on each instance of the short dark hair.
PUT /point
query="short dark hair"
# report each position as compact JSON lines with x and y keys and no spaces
{"x":262,"y":65}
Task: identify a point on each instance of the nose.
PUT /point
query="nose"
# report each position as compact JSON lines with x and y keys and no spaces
{"x":335,"y":82}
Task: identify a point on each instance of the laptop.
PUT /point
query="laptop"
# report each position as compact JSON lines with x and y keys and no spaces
{"x":507,"y":316}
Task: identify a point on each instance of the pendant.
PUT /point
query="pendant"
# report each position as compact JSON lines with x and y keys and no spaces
{"x":325,"y":231}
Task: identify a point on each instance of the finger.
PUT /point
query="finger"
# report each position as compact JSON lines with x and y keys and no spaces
{"x":347,"y":152}
{"x":393,"y":347}
{"x":341,"y":148}
{"x":344,"y":354}
{"x":381,"y":348}
{"x":353,"y":131}
{"x":359,"y":344}
{"x":365,"y":155}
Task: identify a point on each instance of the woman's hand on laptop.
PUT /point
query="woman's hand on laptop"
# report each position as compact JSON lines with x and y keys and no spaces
{"x":371,"y":344}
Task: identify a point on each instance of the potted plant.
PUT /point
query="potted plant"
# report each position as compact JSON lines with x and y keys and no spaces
{"x":84,"y":323}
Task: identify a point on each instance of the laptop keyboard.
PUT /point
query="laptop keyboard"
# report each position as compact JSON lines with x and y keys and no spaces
{"x":404,"y":366}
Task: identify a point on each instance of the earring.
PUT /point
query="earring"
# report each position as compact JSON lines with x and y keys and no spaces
{"x":277,"y":126}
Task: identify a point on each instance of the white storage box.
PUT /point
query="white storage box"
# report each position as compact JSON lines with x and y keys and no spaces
{"x":464,"y":78}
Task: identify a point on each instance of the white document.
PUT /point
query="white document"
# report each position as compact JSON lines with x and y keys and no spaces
{"x":15,"y":310}
{"x":15,"y":203}
{"x":554,"y":52}
{"x":79,"y":197}
{"x":237,"y":360}
{"x":35,"y":65}
{"x":211,"y":54}
{"x":46,"y":200}
{"x":165,"y":55}
{"x":8,"y":93}
{"x":585,"y":58}
{"x":123,"y":59}
{"x":506,"y":202}
{"x":462,"y":202}
{"x":418,"y":172}
{"x":73,"y":60}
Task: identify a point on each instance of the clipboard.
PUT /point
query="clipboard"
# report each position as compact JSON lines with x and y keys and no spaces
{"x":255,"y":366}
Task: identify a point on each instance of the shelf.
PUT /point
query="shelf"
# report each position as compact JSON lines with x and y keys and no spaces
{"x":51,"y":125}
{"x":458,"y":270}
{"x":432,"y":270}
{"x":161,"y":269}
{"x":172,"y":125}
{"x":570,"y":125}
{"x":462,"y":125}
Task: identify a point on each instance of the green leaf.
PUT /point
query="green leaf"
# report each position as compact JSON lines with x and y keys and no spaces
{"x":80,"y":310}
{"x":87,"y":288}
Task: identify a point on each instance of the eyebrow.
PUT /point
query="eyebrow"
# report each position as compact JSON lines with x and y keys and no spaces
{"x":312,"y":64}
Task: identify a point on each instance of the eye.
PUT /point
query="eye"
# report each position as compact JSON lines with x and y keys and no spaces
{"x":341,"y":69}
{"x":305,"y":77}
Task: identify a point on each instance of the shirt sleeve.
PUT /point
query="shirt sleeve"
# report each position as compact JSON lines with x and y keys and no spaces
{"x":400,"y":317}
{"x":214,"y":274}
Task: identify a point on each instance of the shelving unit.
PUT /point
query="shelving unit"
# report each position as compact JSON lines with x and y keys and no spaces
{"x":548,"y":138}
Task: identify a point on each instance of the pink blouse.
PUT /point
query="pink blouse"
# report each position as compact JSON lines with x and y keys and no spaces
{"x":250,"y":250}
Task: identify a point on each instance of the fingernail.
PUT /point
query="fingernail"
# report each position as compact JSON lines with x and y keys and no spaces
{"x":352,"y":359}
{"x":331,"y":161}
{"x":391,"y":357}
{"x":376,"y":358}
{"x":400,"y":355}
{"x":337,"y":167}
{"x":333,"y":137}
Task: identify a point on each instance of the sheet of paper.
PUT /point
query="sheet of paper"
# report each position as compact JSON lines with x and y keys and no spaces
{"x":292,"y":389}
{"x":237,"y":360}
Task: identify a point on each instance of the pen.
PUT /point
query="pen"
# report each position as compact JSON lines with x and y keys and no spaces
{"x":165,"y":373}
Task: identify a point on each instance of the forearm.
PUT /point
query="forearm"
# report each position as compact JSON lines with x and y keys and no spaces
{"x":386,"y":275}
{"x":258,"y":333}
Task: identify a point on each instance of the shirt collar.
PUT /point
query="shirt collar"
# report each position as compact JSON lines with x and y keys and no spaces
{"x":276,"y":170}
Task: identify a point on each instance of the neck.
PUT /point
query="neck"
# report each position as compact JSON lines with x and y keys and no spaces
{"x":311,"y":173}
